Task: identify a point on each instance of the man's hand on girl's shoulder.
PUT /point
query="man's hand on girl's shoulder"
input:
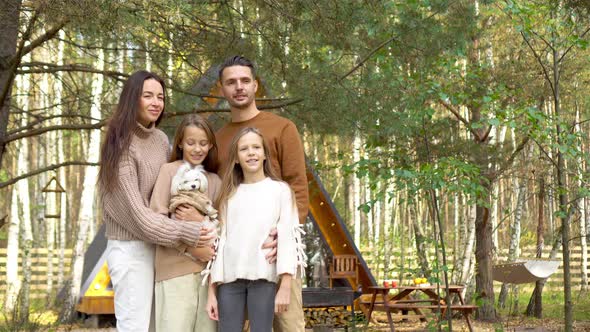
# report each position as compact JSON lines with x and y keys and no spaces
{"x":271,"y":243}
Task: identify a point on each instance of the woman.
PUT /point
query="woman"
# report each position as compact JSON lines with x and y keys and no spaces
{"x":131,"y":156}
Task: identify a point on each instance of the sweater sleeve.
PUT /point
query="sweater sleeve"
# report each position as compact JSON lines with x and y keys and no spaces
{"x":142,"y":221}
{"x":288,"y":221}
{"x":293,"y":168}
{"x":217,"y":272}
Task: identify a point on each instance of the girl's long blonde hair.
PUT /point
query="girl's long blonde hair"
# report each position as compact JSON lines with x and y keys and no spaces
{"x":210,"y":162}
{"x":234,"y":175}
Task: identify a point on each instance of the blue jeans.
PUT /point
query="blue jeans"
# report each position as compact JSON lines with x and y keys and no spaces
{"x":258,"y":296}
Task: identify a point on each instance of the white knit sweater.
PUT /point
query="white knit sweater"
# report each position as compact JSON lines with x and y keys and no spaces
{"x":251,"y":213}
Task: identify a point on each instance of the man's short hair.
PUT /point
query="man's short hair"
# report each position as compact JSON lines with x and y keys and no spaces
{"x":237,"y":60}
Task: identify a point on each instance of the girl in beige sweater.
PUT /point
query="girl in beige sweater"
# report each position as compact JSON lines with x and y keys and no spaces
{"x":180,"y":298}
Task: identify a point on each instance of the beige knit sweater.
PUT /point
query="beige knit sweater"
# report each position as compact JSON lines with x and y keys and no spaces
{"x":126,"y":210}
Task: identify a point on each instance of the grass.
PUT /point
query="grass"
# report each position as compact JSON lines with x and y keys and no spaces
{"x":553,"y":303}
{"x":43,"y":319}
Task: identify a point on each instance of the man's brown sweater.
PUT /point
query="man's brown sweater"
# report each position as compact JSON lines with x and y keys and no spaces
{"x":286,"y":152}
{"x":126,"y":209}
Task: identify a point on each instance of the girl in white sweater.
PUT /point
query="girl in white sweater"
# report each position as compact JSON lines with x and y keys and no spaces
{"x":252,"y":201}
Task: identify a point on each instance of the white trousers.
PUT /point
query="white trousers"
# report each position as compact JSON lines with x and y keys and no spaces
{"x":131,"y":267}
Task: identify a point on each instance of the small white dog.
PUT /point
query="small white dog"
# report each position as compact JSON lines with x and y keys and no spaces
{"x":189,"y":178}
{"x":189,"y":187}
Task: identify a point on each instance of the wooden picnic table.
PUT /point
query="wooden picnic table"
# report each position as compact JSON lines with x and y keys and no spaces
{"x":402,"y":301}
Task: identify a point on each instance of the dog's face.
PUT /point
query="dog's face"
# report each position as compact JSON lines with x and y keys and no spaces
{"x":190,"y":180}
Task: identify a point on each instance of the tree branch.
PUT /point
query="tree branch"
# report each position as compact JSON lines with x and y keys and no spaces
{"x":39,"y":120}
{"x":367,"y":57}
{"x":46,"y":169}
{"x":49,"y":34}
{"x":538,"y":58}
{"x":506,"y":164}
{"x":223,"y":110}
{"x":572,"y":45}
{"x":17,"y":134}
{"x":38,"y":131}
{"x":459,"y":117}
{"x":44,"y":67}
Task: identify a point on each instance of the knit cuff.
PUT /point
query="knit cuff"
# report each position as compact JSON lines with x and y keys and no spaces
{"x":298,"y":233}
{"x":190,"y":232}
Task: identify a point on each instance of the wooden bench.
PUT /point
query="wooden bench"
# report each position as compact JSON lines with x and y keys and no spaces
{"x":395,"y":306}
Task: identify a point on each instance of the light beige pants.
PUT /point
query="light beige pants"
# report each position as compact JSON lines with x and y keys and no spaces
{"x":180,"y":305}
{"x":293,"y":319}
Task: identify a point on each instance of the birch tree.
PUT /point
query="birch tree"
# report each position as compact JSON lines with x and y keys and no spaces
{"x":514,"y":247}
{"x":356,"y":189}
{"x":23,"y":192}
{"x":13,"y":282}
{"x":58,"y":93}
{"x":552,"y":46}
{"x":582,"y":207}
{"x":88,"y":200}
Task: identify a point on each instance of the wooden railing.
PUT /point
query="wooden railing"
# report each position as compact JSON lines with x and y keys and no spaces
{"x":39,"y":268}
{"x":411,"y":263}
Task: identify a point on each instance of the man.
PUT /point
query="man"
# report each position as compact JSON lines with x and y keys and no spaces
{"x":238,"y":86}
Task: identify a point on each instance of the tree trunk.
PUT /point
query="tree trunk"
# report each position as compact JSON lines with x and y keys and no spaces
{"x":388,"y":221}
{"x":88,"y":200}
{"x":9,"y":24}
{"x":469,"y":244}
{"x":582,"y":209}
{"x":535,"y":306}
{"x":420,"y":240}
{"x":457,"y":236}
{"x":562,"y":196}
{"x":356,"y":186}
{"x":13,"y":283}
{"x":61,"y":232}
{"x":513,"y":250}
{"x":52,"y":157}
{"x":484,"y":286}
{"x":24,"y":86}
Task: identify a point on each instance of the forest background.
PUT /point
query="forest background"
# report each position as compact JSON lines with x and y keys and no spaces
{"x":430,"y":122}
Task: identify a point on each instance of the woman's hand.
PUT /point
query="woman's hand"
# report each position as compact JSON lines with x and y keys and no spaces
{"x":204,"y":254}
{"x":212,"y":304}
{"x":271,"y":243}
{"x":283,"y":296}
{"x":187,"y":212}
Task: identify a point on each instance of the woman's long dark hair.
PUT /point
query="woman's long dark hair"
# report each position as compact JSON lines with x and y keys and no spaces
{"x":120,"y":129}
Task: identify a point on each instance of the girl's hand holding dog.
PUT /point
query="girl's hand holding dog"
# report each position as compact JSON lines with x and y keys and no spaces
{"x":203,"y":254}
{"x":188,"y":213}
